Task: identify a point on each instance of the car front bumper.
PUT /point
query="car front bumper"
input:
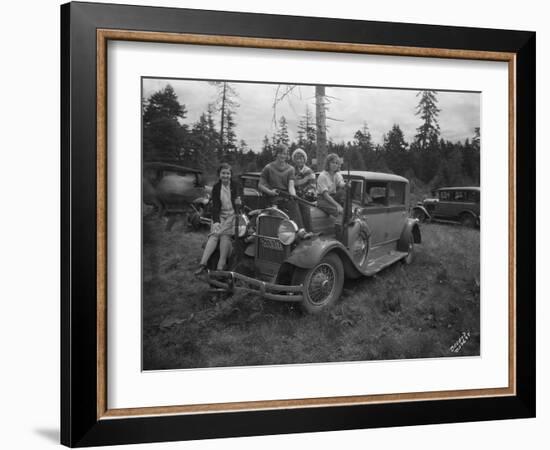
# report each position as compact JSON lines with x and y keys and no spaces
{"x":236,"y":282}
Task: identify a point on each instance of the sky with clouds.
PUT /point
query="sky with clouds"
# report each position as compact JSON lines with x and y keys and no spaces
{"x":350,"y":107}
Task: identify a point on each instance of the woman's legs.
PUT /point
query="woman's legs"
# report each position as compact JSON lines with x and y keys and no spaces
{"x":209,"y":249}
{"x":226,"y":247}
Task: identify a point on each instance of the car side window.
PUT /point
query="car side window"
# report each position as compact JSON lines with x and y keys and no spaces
{"x":459,"y":196}
{"x":396,"y":193}
{"x":473,"y":196}
{"x":444,"y":196}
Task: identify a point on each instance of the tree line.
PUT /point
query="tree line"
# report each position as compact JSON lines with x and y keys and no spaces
{"x":428,"y":160}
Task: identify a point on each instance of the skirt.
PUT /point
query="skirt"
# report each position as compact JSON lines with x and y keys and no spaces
{"x":227,"y":226}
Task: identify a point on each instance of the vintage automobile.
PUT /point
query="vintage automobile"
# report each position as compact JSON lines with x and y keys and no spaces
{"x":175,"y":190}
{"x":455,"y":204}
{"x":278,"y":261}
{"x":252,"y":197}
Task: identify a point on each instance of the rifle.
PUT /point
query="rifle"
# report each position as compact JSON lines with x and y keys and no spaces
{"x":347,"y":206}
{"x":286,"y":195}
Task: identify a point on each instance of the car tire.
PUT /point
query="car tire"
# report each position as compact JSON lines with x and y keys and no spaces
{"x":419,"y":214}
{"x":410,"y":251}
{"x":364,"y":251}
{"x":323,"y":284}
{"x":467,"y":220}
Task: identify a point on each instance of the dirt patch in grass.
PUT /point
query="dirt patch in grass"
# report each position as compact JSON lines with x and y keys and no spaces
{"x":406,"y":311}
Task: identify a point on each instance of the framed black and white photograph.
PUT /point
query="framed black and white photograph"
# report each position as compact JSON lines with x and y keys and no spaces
{"x":277,"y":224}
{"x":413,"y":198}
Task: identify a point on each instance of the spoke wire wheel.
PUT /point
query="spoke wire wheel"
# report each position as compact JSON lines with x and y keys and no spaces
{"x":323,"y":284}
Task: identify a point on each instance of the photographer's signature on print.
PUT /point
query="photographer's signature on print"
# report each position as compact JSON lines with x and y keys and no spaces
{"x":457,"y":346}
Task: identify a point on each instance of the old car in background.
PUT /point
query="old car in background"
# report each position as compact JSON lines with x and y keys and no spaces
{"x":252,"y":197}
{"x":281,"y":262}
{"x":174,"y":190}
{"x":456,"y":204}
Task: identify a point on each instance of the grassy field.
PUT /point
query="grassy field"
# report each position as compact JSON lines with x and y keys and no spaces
{"x":415,"y":311}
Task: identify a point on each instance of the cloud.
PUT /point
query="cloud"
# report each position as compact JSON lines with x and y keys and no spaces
{"x":350,"y":106}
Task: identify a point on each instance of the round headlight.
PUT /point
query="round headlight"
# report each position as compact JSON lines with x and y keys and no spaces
{"x":243,"y":224}
{"x":287,"y":232}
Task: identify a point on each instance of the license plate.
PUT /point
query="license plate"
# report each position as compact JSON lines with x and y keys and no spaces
{"x":271,"y":244}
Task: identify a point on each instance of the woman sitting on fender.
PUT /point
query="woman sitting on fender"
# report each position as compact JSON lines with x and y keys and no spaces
{"x":226,"y":197}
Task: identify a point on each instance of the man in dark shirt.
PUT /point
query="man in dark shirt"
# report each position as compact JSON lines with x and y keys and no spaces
{"x":278,"y":176}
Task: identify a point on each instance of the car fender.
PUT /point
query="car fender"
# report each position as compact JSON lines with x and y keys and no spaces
{"x":423,"y":209}
{"x":410,"y":228}
{"x":311,"y":251}
{"x":204,"y":200}
{"x":469,"y":211}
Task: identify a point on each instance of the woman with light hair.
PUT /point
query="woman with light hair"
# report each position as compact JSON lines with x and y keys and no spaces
{"x":305,"y":184}
{"x":330,"y":184}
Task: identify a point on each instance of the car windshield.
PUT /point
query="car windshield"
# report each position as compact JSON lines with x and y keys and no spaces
{"x":357,"y":191}
{"x":375,"y":194}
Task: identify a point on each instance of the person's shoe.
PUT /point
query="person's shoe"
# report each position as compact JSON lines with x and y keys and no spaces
{"x":200,"y":270}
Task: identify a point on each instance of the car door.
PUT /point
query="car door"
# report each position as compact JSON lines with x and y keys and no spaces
{"x":397,"y":209}
{"x":444,"y":208}
{"x":472,"y":201}
{"x":374,"y":211}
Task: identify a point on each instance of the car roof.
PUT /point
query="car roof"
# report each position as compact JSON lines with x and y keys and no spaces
{"x":459,"y":188}
{"x":251,"y":174}
{"x":168,"y":166}
{"x":374,"y":176}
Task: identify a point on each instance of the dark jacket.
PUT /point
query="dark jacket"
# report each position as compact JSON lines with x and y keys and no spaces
{"x":236,"y":191}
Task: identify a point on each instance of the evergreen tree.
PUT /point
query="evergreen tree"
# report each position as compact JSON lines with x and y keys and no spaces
{"x":281,"y":136}
{"x":449,"y":171}
{"x":362,"y":140}
{"x":226,"y":104}
{"x":354,"y":158}
{"x":395,"y":148}
{"x":266,"y":155}
{"x":427,"y":133}
{"x":476,"y":140}
{"x":164,"y":136}
{"x":426,"y":144}
{"x":307,"y":134}
{"x":471,"y":158}
{"x":229,"y":137}
{"x":204,"y":142}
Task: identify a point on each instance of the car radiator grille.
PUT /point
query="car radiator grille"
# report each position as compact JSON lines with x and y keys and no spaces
{"x":268,"y":226}
{"x":270,"y":252}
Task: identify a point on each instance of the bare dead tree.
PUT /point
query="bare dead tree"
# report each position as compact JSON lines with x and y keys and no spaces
{"x":321,"y":119}
{"x":283,"y":91}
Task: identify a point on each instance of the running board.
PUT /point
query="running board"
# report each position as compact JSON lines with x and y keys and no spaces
{"x":376,"y":265}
